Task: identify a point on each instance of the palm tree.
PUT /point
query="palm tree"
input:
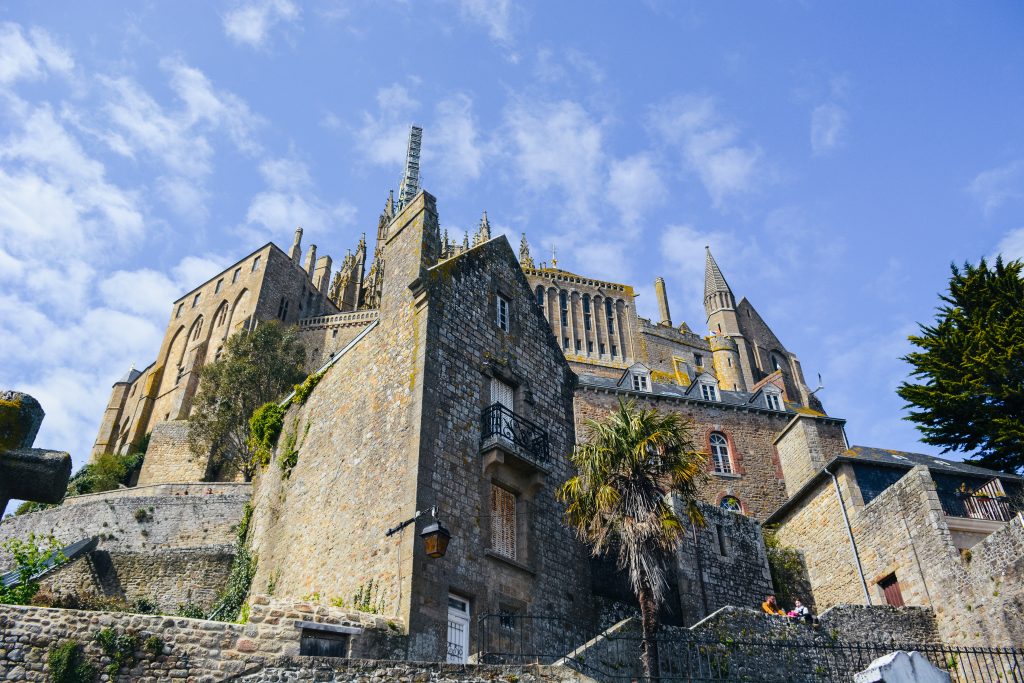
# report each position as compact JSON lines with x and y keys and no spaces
{"x":619,"y":501}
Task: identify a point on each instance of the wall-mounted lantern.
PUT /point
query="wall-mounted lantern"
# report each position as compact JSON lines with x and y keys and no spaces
{"x":435,"y":536}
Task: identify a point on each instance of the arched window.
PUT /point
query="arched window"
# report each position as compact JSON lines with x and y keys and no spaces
{"x":609,"y":317}
{"x":197,"y":330}
{"x":540,"y":296}
{"x":720,"y":453}
{"x":563,"y":301}
{"x":732,"y":504}
{"x":586,"y":312}
{"x":221,"y":316}
{"x":777,"y":362}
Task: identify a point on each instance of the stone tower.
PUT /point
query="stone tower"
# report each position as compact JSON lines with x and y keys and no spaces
{"x":728,"y":344}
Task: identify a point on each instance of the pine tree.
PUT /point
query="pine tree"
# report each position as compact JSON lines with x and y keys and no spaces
{"x":969,"y":371}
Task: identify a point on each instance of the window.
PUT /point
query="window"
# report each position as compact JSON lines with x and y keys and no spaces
{"x":234,"y":277}
{"x":502,"y":306}
{"x":255,"y":263}
{"x":891,"y":589}
{"x":220,"y":283}
{"x":282,"y":309}
{"x":611,"y":319}
{"x":698,"y":360}
{"x":708,"y":391}
{"x":540,"y":296}
{"x":600,"y":348}
{"x":614,"y":350}
{"x":586,"y":312}
{"x":197,"y":330}
{"x":502,"y":393}
{"x":563,"y":303}
{"x":222,"y":315}
{"x":507,"y":619}
{"x":195,"y":299}
{"x":720,"y":453}
{"x":732,"y":504}
{"x":640,"y":383}
{"x":579,"y":346}
{"x":590,"y":347}
{"x":723,"y":548}
{"x":565,"y":343}
{"x":503,"y":522}
{"x":776,"y":363}
{"x":773,"y":401}
{"x":181,"y":307}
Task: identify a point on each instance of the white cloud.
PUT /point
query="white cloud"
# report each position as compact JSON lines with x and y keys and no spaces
{"x":494,"y":15}
{"x":634,"y":186}
{"x":1011,"y":247}
{"x":291,"y":201}
{"x":250,"y":23}
{"x":382,"y":139}
{"x":997,"y":186}
{"x":710,"y":147}
{"x":567,"y":67}
{"x":558,"y":146}
{"x":31,"y":57}
{"x":454,"y":136}
{"x":218,"y":109}
{"x":828,"y":128}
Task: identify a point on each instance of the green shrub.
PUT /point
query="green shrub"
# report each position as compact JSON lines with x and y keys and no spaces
{"x":230,"y":603}
{"x":67,"y":664}
{"x":368,"y":598}
{"x":30,"y":558}
{"x":264,"y":429}
{"x":302,"y":391}
{"x":153,"y":646}
{"x":119,"y":647}
{"x":31,"y":506}
{"x":191,"y":610}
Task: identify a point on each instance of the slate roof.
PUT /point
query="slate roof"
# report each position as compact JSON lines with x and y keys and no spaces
{"x":909,"y":460}
{"x":739,"y":399}
{"x":714,"y":281}
{"x":130,"y":377}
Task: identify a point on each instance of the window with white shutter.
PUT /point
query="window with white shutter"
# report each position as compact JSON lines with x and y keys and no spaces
{"x":503,"y":522}
{"x":502,"y":393}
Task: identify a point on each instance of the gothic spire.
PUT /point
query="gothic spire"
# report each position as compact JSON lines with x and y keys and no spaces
{"x":411,"y":178}
{"x":525,"y":260}
{"x":485,"y":228}
{"x":717,"y":294}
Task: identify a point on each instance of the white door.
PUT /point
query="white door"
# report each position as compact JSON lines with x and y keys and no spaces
{"x":458,"y":629}
{"x":501,"y":393}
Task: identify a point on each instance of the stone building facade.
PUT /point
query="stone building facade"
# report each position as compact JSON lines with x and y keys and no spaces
{"x":882,"y":527}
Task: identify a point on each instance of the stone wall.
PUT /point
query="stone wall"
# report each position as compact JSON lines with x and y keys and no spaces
{"x":727,"y":565}
{"x":138,"y":523}
{"x":977,"y":595}
{"x":169,"y":458}
{"x":166,"y":578}
{"x":193,"y":649}
{"x":547,"y":573}
{"x":805,"y":446}
{"x":757,"y":478}
{"x":356,"y":671}
{"x":324,"y":336}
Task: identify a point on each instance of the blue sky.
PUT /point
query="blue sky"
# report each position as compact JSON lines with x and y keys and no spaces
{"x":836,"y":157}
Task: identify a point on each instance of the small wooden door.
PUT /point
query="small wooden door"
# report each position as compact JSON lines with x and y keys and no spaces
{"x":891,"y":588}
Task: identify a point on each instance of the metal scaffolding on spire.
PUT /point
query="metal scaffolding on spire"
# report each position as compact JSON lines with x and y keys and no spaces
{"x":411,"y":179}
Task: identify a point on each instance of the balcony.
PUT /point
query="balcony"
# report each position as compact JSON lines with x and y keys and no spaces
{"x":976,"y":507}
{"x":503,"y":433}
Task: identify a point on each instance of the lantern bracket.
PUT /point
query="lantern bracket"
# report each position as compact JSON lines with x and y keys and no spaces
{"x":419,"y":513}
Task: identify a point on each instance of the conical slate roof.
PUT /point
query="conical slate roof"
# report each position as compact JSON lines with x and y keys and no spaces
{"x":714,"y":281}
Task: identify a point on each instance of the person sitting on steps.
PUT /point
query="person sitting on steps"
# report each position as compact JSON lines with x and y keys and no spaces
{"x":769,"y":606}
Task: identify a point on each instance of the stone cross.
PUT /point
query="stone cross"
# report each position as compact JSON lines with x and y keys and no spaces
{"x":28,"y":473}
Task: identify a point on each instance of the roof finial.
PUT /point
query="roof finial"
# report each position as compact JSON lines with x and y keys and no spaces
{"x":525,"y":260}
{"x":485,"y":228}
{"x":554,"y":257}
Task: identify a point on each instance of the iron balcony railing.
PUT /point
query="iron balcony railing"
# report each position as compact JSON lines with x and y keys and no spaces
{"x":699,"y":657}
{"x":498,"y":422}
{"x":976,"y":507}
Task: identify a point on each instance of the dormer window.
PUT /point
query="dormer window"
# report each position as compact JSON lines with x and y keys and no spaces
{"x":698,"y":360}
{"x":773,"y":400}
{"x":641,"y":383}
{"x":708,"y":391}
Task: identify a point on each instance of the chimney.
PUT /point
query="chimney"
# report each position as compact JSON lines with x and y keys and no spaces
{"x":296,"y":251}
{"x":322,"y":274}
{"x":311,"y":260}
{"x":659,"y":291}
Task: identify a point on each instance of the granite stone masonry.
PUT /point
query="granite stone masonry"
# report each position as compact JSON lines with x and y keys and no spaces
{"x":192,"y":649}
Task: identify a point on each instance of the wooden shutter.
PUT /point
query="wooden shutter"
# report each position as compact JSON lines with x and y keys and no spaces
{"x":501,"y":393}
{"x":503,"y":522}
{"x":891,"y":589}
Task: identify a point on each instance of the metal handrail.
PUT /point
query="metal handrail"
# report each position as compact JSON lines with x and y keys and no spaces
{"x":497,"y":421}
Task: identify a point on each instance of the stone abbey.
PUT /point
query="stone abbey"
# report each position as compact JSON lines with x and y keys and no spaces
{"x":459,"y":376}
